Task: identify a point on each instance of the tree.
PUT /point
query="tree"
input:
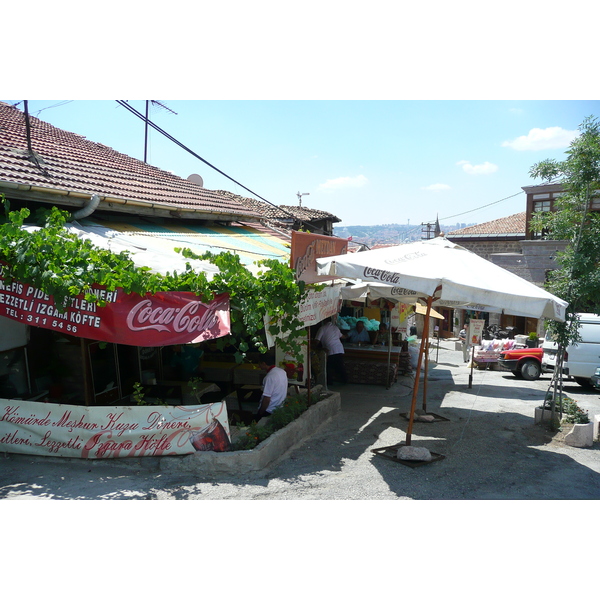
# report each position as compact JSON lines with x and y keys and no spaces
{"x":577,"y":278}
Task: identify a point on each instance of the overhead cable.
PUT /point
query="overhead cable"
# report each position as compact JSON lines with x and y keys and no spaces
{"x":184,"y":147}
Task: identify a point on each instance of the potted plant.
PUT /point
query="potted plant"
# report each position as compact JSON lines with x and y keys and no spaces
{"x":576,"y":419}
{"x":533,"y":340}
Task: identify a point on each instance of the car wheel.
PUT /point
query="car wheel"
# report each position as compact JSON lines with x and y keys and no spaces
{"x":583,"y":382}
{"x":530,"y":370}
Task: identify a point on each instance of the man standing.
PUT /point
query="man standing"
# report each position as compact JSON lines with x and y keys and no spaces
{"x":463,"y":340}
{"x":329,"y":336}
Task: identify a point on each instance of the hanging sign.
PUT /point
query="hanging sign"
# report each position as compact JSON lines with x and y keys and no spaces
{"x":307,"y":247}
{"x":475,"y":332}
{"x":111,"y":431}
{"x":161,"y":319}
{"x":320,"y":304}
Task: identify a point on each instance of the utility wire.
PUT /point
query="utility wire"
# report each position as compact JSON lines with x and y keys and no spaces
{"x":480,"y":207}
{"x":184,"y":147}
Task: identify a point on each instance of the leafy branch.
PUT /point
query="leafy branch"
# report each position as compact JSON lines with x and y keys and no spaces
{"x":63,"y":265}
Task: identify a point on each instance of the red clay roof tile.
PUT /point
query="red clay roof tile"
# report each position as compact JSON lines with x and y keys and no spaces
{"x":70,"y":162}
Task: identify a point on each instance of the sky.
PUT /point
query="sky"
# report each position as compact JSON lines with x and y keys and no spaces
{"x":370,"y":162}
{"x":382,"y":113}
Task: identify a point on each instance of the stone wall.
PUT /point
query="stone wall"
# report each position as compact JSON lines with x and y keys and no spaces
{"x":485,"y":248}
{"x":536,"y":258}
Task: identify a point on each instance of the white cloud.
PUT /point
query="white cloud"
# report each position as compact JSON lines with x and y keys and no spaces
{"x":543,"y":139}
{"x":436,"y":187}
{"x":484,"y":169}
{"x":344,"y":182}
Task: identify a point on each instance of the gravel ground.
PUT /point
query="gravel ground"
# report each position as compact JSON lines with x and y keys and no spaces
{"x":490,"y":446}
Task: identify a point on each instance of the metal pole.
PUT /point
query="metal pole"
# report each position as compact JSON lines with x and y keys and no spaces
{"x":146,"y":132}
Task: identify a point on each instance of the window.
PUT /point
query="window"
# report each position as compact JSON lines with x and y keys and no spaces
{"x":542,"y":205}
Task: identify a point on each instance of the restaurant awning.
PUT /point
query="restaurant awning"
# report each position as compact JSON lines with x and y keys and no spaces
{"x":250,"y":243}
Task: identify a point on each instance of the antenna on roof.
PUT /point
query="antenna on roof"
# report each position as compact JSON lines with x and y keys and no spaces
{"x":153,"y":102}
{"x":300,"y":197}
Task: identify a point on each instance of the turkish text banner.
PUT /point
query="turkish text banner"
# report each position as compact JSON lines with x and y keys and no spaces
{"x":161,"y":319}
{"x":111,"y":431}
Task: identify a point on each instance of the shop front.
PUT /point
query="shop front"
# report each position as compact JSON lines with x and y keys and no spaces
{"x":107,"y":381}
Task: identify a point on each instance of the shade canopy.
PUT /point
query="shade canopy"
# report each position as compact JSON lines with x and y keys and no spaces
{"x":457,"y":277}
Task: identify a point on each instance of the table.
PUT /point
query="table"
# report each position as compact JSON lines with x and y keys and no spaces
{"x":370,"y":364}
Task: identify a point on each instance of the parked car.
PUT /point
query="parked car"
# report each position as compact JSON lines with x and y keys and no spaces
{"x":523,"y":362}
{"x":595,"y":378}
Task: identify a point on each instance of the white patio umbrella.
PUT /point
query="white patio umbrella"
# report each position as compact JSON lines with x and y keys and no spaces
{"x":442,"y":271}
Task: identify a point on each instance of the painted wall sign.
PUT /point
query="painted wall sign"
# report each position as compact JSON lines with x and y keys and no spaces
{"x":161,"y":319}
{"x":111,"y":431}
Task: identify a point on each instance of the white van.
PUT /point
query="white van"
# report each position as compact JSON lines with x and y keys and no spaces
{"x":582,"y":359}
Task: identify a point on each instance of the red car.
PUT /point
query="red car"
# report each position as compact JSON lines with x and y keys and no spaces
{"x":523,"y":362}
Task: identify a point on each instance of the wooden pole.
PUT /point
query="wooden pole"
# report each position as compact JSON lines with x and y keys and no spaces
{"x":307,"y":367}
{"x":418,"y":373}
{"x":426,"y":372}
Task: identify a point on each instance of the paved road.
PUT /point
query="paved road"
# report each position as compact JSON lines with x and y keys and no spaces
{"x":490,"y":445}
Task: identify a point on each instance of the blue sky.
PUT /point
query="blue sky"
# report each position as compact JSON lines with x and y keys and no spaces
{"x":384,"y":113}
{"x":368,"y":162}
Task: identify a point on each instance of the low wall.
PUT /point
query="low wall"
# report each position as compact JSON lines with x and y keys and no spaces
{"x":268,"y":451}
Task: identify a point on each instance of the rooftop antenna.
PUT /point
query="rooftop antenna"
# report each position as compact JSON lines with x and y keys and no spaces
{"x":300,"y":197}
{"x":161,"y":105}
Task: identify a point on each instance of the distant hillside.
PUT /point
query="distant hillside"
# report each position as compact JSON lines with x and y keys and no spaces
{"x":389,"y":234}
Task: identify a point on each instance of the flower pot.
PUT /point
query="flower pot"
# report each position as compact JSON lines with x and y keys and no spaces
{"x":545,"y":416}
{"x":581,"y":436}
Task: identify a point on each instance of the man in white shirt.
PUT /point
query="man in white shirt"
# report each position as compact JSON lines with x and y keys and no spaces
{"x":275,"y":387}
{"x":330,"y":338}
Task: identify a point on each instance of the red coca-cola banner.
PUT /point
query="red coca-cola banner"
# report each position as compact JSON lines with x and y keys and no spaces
{"x":161,"y":319}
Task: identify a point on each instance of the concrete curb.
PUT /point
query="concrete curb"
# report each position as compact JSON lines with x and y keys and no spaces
{"x":267,"y":452}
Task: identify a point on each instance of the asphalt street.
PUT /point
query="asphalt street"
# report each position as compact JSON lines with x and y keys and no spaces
{"x":485,"y":439}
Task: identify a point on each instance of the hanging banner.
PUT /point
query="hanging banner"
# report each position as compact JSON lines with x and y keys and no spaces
{"x":320,"y":304}
{"x":111,"y":431}
{"x":307,"y":247}
{"x":161,"y":319}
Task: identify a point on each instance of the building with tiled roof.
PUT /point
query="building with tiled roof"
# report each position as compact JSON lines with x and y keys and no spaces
{"x":41,"y":163}
{"x":289,"y":217}
{"x":506,"y":227}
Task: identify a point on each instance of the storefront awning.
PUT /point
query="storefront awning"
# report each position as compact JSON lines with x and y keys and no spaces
{"x":250,"y":243}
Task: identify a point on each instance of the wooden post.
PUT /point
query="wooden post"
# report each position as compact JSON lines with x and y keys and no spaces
{"x":426,"y":372}
{"x":307,"y":368}
{"x":418,"y":373}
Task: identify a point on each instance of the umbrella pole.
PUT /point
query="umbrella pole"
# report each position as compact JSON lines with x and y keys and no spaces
{"x":307,"y":370}
{"x":425,"y":373}
{"x":418,"y":373}
{"x":389,"y":376}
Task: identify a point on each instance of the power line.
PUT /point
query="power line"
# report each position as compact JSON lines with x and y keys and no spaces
{"x":138,"y":114}
{"x":480,"y":207}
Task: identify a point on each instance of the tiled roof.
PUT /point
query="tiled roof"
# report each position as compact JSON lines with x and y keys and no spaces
{"x":511,"y":226}
{"x":68,"y":162}
{"x":282,"y":212}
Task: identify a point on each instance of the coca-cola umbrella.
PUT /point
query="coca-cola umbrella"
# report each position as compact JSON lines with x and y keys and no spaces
{"x":439,"y":270}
